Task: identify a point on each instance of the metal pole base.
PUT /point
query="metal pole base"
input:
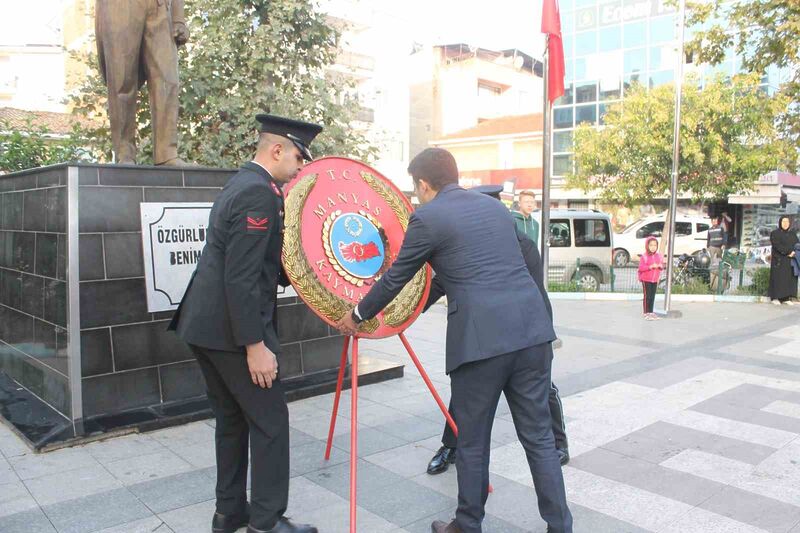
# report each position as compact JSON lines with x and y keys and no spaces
{"x":673,"y":313}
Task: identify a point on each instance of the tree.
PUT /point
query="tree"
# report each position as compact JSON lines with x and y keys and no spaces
{"x":762,"y":33}
{"x":34,"y":146}
{"x":728,"y":139}
{"x":246,"y":57}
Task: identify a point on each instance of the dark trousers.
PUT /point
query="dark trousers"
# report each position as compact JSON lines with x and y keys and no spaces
{"x":524,"y":377}
{"x":450,"y":440}
{"x":244,"y":411}
{"x":649,"y":300}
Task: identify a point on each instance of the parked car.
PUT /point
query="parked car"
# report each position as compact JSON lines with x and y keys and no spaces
{"x":690,"y":237}
{"x":580,"y":247}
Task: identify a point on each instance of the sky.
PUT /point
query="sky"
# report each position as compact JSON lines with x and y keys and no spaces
{"x":498,"y":24}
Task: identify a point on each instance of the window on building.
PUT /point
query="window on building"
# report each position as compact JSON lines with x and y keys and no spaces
{"x":632,"y":79}
{"x":567,"y":98}
{"x":661,"y":77}
{"x":662,"y":58}
{"x":610,"y":39}
{"x":562,"y":141}
{"x":567,"y":21}
{"x":586,"y":114}
{"x":591,"y":232}
{"x":568,"y":71}
{"x":662,"y":29}
{"x":585,"y":92}
{"x":602,"y":113}
{"x":634,"y":61}
{"x":634,"y":35}
{"x":567,"y":42}
{"x":585,"y":43}
{"x":580,"y":69}
{"x":562,"y":117}
{"x":486,"y":90}
{"x":562,"y":164}
{"x":610,"y":89}
{"x":559,"y":233}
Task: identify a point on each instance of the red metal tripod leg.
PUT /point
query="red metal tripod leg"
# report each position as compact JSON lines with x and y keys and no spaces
{"x":431,"y":388}
{"x":353,"y":435}
{"x":428,"y":382}
{"x":339,"y":383}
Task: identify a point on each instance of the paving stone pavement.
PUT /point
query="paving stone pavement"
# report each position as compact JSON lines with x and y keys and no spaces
{"x":687,"y":425}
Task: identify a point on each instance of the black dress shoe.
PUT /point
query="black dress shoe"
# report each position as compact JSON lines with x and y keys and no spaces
{"x":285,"y":526}
{"x":443,"y":527}
{"x":442,"y":460}
{"x":563,"y":455}
{"x":227,"y":523}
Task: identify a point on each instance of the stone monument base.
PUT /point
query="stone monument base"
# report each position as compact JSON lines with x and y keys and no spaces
{"x":80,"y":355}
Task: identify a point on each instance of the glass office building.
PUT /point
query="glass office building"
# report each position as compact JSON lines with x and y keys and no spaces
{"x":608,"y":46}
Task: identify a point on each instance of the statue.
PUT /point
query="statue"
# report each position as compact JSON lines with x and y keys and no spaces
{"x":137,"y":41}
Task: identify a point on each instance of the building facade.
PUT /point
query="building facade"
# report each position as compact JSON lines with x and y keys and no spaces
{"x":456,"y":87}
{"x":609,"y":45}
{"x":502,"y":151}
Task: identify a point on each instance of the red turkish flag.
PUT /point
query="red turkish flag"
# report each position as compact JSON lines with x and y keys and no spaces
{"x":551,"y":25}
{"x":356,"y":251}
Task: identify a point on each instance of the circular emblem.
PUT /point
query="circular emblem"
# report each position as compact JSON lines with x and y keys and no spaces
{"x":344,"y":226}
{"x":356,"y":244}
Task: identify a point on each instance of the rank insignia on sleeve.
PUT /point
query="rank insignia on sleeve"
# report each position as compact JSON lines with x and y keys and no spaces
{"x":256,"y":222}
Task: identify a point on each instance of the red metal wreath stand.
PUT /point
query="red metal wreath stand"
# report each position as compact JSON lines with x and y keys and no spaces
{"x":354,"y":412}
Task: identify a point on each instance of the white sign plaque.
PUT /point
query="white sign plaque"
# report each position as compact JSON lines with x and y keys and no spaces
{"x":173,"y":237}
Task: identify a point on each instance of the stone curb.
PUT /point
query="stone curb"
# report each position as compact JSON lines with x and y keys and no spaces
{"x":627,"y":297}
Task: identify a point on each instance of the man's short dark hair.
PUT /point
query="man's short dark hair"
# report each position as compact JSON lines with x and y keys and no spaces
{"x":437,"y":166}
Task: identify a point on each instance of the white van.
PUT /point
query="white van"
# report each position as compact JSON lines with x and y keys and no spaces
{"x":581,"y":245}
{"x":690,"y":236}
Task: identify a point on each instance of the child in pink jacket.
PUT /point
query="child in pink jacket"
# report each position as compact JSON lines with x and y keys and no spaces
{"x":650,"y":266}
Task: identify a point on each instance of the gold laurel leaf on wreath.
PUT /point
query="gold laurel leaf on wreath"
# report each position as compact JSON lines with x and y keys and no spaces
{"x":404,"y":304}
{"x":297,"y":267}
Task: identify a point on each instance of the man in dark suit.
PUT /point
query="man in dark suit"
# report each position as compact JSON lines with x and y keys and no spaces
{"x":227,"y":317}
{"x":498,"y":333}
{"x":446,"y":455}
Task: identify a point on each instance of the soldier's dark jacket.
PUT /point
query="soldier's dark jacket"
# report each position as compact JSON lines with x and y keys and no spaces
{"x":231,"y":300}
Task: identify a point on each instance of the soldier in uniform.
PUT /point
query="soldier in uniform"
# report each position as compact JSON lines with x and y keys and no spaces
{"x":228,"y":318}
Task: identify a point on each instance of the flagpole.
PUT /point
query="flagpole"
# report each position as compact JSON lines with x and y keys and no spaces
{"x":544,"y":231}
{"x":676,"y":147}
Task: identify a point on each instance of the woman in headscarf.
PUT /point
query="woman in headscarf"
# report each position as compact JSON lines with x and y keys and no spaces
{"x":782,"y":280}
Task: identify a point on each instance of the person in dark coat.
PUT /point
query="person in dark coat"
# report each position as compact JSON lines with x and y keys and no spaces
{"x":446,"y":455}
{"x":782,"y":280}
{"x":498,"y":333}
{"x":228,"y":318}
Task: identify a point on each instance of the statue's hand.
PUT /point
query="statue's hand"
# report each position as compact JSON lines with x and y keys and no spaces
{"x":180,"y":33}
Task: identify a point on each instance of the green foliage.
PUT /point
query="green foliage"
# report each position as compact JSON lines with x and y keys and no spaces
{"x":759,"y":285}
{"x":572,"y":286}
{"x":728,"y":139}
{"x":762,"y":33}
{"x":246,"y":57}
{"x":693,"y":286}
{"x":33,"y":146}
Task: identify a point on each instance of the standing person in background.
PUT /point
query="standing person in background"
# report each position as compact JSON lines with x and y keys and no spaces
{"x":782,"y":280}
{"x":650,"y":266}
{"x":716,"y":238}
{"x":524,"y":219}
